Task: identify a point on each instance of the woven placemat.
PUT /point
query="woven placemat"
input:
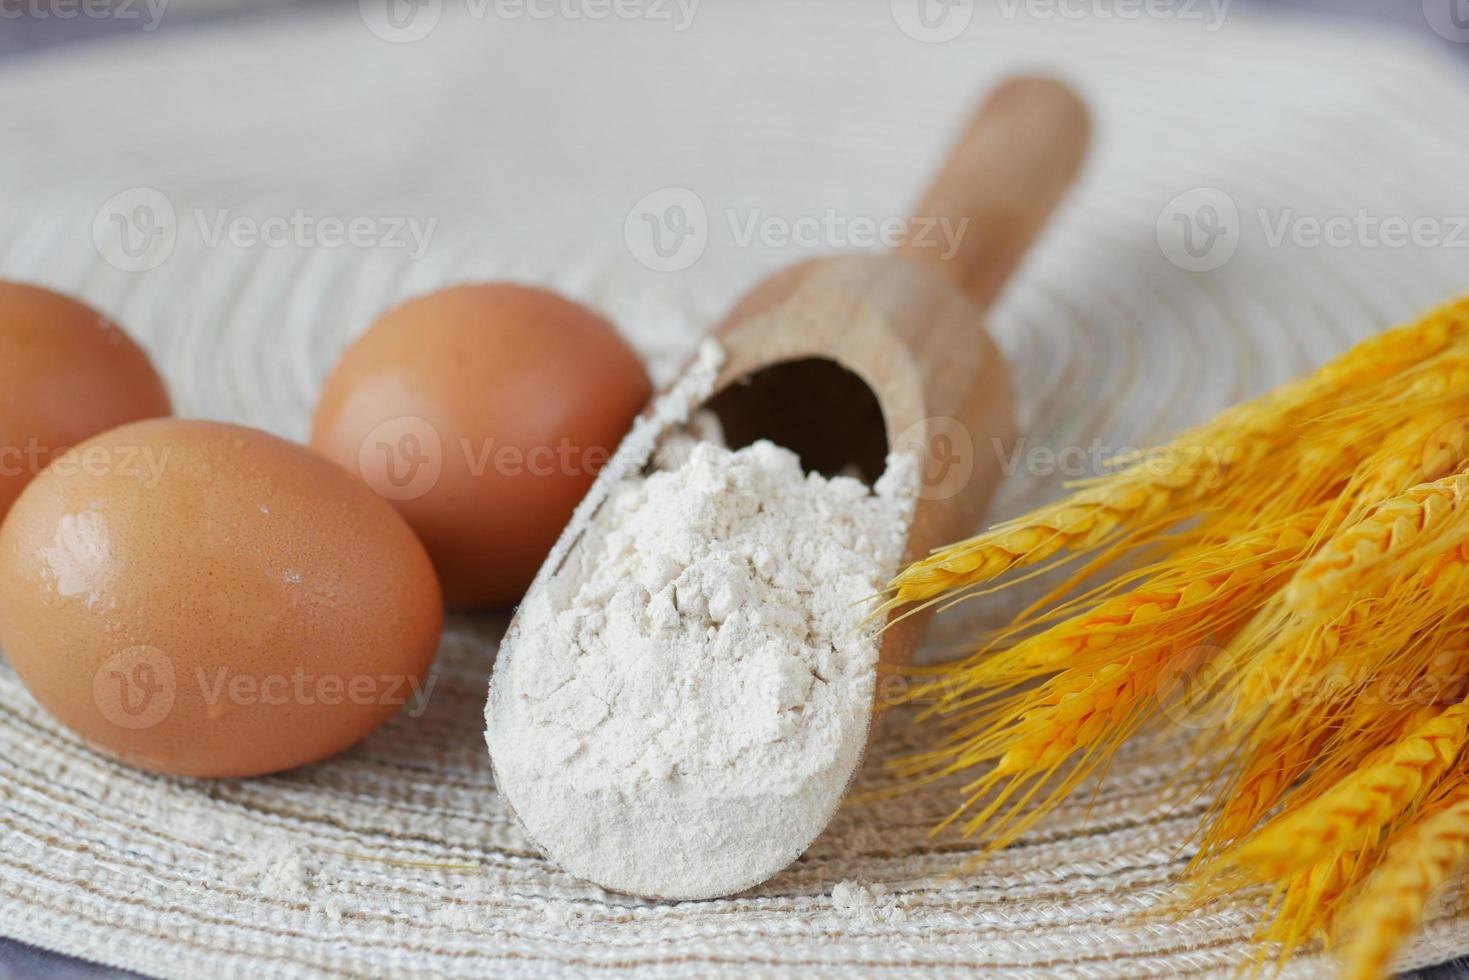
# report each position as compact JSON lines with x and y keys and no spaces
{"x":1181,"y":277}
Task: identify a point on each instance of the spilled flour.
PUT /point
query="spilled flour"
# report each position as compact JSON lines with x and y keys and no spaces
{"x":866,"y":903}
{"x":677,"y":712}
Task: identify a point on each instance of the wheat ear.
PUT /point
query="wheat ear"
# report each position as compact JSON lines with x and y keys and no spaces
{"x":1175,"y":480}
{"x":1181,"y":601}
{"x":1380,"y":619}
{"x":1087,"y":712}
{"x":1429,"y":517}
{"x":1390,"y":907}
{"x":1425,"y":447}
{"x":1360,"y":806}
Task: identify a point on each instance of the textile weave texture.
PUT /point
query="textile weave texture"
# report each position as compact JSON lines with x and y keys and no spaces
{"x":530,"y":144}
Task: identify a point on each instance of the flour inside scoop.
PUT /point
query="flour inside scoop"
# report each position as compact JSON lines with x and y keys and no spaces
{"x":680,"y":706}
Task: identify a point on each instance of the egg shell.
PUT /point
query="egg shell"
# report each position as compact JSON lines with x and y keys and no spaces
{"x":66,"y":373}
{"x":203,"y":599}
{"x":484,"y":413}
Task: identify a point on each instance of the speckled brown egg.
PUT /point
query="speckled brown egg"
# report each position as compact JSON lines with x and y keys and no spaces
{"x":483,"y":412}
{"x":66,"y":373}
{"x":203,"y":599}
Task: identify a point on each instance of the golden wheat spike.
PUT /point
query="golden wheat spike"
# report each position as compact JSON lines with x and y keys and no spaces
{"x":1330,"y":733}
{"x":1419,"y":861}
{"x":1327,"y":739}
{"x":1091,"y":518}
{"x":1180,"y":601}
{"x":1181,"y":606}
{"x":1426,"y":447}
{"x":1283,"y":649}
{"x":1308,"y":901}
{"x":1360,"y":806}
{"x":1090,"y":712}
{"x":1411,"y":343}
{"x":1321,"y":534}
{"x":1429,"y":517}
{"x":1079,"y":709}
{"x":1273,"y":769}
{"x":1446,"y":575}
{"x":1177,"y":479}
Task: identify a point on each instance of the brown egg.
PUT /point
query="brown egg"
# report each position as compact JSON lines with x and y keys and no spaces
{"x":66,"y":373}
{"x":207,"y":600}
{"x":483,"y":412}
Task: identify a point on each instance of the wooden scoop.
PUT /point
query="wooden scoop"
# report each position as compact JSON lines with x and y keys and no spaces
{"x":897,"y":341}
{"x":843,"y":360}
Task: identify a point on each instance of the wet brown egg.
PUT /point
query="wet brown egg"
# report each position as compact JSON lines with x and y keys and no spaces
{"x":483,"y":412}
{"x":208,"y":600}
{"x":66,"y":373}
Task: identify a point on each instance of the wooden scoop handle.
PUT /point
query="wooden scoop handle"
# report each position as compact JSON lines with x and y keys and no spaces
{"x":1003,"y":179}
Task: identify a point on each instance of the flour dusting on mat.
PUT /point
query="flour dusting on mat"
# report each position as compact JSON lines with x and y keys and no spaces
{"x":679,"y":710}
{"x":866,"y":903}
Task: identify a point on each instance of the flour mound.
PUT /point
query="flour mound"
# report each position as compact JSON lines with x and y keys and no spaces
{"x":684,"y":708}
{"x":866,"y":903}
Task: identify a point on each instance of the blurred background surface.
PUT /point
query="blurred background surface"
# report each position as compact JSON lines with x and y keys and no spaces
{"x":26,"y":30}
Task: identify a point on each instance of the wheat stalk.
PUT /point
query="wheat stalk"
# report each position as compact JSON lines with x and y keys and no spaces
{"x":1418,"y":862}
{"x":1309,"y":899}
{"x":1420,"y":449}
{"x":1273,"y":769}
{"x":1114,"y":652}
{"x":1431,"y":516}
{"x":1322,"y":738}
{"x":1177,"y":479}
{"x":1295,"y":654}
{"x":1360,"y":806}
{"x":1284,"y":647}
{"x":1078,"y":711}
{"x":1182,"y":601}
{"x":1321,"y":533}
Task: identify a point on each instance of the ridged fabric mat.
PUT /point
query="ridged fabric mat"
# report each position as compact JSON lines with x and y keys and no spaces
{"x":530,"y":142}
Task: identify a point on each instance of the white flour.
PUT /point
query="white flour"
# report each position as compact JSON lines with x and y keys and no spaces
{"x":866,"y":903}
{"x":678,"y":713}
